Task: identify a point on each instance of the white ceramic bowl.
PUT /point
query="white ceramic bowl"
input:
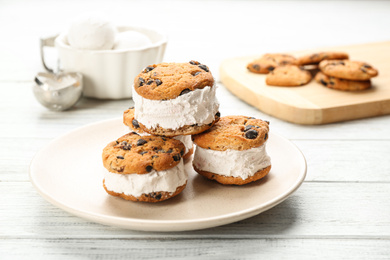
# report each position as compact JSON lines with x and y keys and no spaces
{"x":109,"y":74}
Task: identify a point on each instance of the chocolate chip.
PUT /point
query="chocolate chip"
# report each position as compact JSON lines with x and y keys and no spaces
{"x":141,"y":82}
{"x":271,"y":68}
{"x":120,"y":157}
{"x":196,"y":73}
{"x":158,"y":197}
{"x":256,"y":67}
{"x":135,"y":123}
{"x":126,"y":147}
{"x":147,"y":69}
{"x":124,"y":143}
{"x":149,"y":168}
{"x":185,"y":91}
{"x":141,"y":142}
{"x":158,"y":82}
{"x":149,"y":82}
{"x":341,"y":63}
{"x":176,"y":157}
{"x":251,"y":118}
{"x":170,"y":150}
{"x":194,"y":62}
{"x":267,"y":122}
{"x":204,"y":67}
{"x":251,"y":134}
{"x":323,"y":82}
{"x":218,"y":114}
{"x":154,"y":156}
{"x":266,"y":136}
{"x":117,"y":142}
{"x":182,"y":153}
{"x":135,"y":133}
{"x":164,"y":139}
{"x":367,"y":66}
{"x":143,"y":152}
{"x":363,"y":69}
{"x":248,"y":127}
{"x":131,"y":107}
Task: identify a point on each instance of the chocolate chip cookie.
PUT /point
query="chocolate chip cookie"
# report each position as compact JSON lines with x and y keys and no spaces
{"x":174,"y":99}
{"x":233,"y":151}
{"x":316,"y":58}
{"x":268,"y":62}
{"x":144,"y":168}
{"x":166,"y":81}
{"x":289,"y":75}
{"x":132,"y":123}
{"x":342,"y":84}
{"x":347,"y":69}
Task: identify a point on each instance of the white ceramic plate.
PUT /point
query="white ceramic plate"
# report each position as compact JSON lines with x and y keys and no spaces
{"x":69,"y":172}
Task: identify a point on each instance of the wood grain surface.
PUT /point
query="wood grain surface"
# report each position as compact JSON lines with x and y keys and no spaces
{"x":313,"y":103}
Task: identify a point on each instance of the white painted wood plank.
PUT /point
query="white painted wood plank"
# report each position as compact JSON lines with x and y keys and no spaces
{"x":316,"y":210}
{"x":196,"y":249}
{"x":21,"y":115}
{"x":329,"y":161}
{"x":198,"y":37}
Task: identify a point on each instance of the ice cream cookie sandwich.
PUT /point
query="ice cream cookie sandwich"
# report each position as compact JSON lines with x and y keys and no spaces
{"x":175,"y":99}
{"x":233,"y":151}
{"x":132,"y":123}
{"x":144,"y":168}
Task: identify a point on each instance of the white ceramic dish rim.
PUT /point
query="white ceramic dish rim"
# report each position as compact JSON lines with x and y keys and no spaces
{"x":59,"y":41}
{"x":179,"y":225}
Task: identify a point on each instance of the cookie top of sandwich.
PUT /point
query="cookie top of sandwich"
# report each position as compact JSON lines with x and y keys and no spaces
{"x":133,"y":153}
{"x":234,"y":132}
{"x":166,"y":81}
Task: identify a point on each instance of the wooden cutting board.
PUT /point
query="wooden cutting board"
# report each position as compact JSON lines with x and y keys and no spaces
{"x":313,"y":103}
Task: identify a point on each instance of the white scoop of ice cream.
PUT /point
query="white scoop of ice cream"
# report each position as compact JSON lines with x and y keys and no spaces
{"x":91,"y":32}
{"x":131,"y":40}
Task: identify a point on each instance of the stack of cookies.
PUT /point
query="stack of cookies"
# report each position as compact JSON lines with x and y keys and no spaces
{"x":345,"y":74}
{"x":336,"y":71}
{"x":174,"y":105}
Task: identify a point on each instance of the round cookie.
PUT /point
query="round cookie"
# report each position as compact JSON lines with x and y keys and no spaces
{"x":233,"y":152}
{"x":174,"y":99}
{"x":166,"y":81}
{"x":346,"y":69}
{"x":342,"y":84}
{"x":144,"y":168}
{"x":268,"y":62}
{"x":316,"y":58}
{"x":289,"y":75}
{"x":132,"y":123}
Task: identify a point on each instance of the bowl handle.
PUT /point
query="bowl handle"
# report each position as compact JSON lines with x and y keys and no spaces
{"x":46,"y":42}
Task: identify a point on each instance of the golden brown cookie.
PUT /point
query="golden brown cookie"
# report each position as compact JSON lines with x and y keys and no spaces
{"x":289,"y":75}
{"x":346,"y":69}
{"x":133,"y":153}
{"x":316,"y":58}
{"x":147,"y":197}
{"x":268,"y":62}
{"x":132,"y":123}
{"x":144,"y":168}
{"x":166,"y":81}
{"x":229,"y":180}
{"x":233,"y":151}
{"x":342,"y":84}
{"x":234,"y":132}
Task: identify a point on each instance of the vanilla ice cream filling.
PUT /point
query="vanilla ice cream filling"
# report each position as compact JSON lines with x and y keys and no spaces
{"x":232,"y":163}
{"x":154,"y":181}
{"x":196,"y":107}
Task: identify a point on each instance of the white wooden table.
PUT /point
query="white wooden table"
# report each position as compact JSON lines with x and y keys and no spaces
{"x":342,"y":210}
